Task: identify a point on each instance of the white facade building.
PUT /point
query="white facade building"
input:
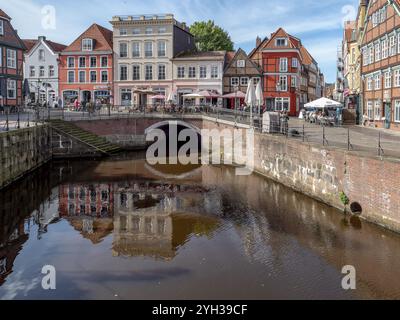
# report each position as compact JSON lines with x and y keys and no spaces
{"x":41,"y":69}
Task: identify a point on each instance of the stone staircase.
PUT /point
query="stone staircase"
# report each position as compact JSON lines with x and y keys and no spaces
{"x":90,"y":139}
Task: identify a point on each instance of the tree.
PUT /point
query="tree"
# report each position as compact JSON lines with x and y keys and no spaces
{"x":210,"y":37}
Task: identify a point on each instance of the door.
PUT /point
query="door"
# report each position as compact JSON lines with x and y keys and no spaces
{"x":388,"y":115}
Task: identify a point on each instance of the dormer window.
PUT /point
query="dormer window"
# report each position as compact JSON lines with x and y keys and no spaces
{"x":87,"y":45}
{"x":1,"y":27}
{"x":281,"y":42}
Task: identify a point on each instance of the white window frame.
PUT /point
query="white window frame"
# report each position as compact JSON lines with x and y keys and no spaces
{"x":32,"y":71}
{"x":370,"y":109}
{"x":279,"y":40}
{"x":283,"y":64}
{"x":73,"y":76}
{"x":385,"y":48}
{"x":244,"y":83}
{"x":214,"y":72}
{"x":283,"y":80}
{"x":148,"y":67}
{"x":396,"y":111}
{"x":163,"y":51}
{"x":101,"y":62}
{"x":85,"y":46}
{"x":11,"y":58}
{"x":52,"y":71}
{"x":120,"y":73}
{"x":41,"y":55}
{"x":148,"y":51}
{"x":203,"y":72}
{"x":79,"y":62}
{"x":180,"y":72}
{"x":11,"y":87}
{"x":134,"y":73}
{"x":388,"y":80}
{"x":90,"y":62}
{"x":41,"y":71}
{"x":280,"y":101}
{"x":123,"y":32}
{"x":73,"y":62}
{"x":397,"y":78}
{"x":101,"y":73}
{"x":121,"y":51}
{"x":371,"y":54}
{"x":192,"y":72}
{"x":160,"y":66}
{"x":392,"y":45}
{"x":295,"y":63}
{"x":90,"y":76}
{"x":234,"y":81}
{"x":136,"y":54}
{"x":79,"y":76}
{"x":293,"y":81}
{"x":369,"y":83}
{"x":241,"y":63}
{"x":377,"y":51}
{"x":377,"y":110}
{"x":1,"y":27}
{"x":377,"y":81}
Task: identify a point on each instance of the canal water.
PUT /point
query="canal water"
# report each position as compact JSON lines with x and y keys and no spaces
{"x":121,"y":229}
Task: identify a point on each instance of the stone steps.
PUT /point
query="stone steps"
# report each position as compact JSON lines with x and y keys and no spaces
{"x":85,"y":137}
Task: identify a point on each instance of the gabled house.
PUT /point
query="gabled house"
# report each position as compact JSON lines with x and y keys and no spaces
{"x":11,"y":64}
{"x":238,"y":71}
{"x":86,"y":68}
{"x":41,"y":69}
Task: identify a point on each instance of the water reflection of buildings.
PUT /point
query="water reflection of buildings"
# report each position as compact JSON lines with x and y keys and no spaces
{"x":146,"y":218}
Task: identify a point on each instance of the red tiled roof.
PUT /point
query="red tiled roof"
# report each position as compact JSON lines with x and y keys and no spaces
{"x":102,"y":36}
{"x":29,"y":43}
{"x":229,"y":56}
{"x":4,"y":15}
{"x":306,"y":56}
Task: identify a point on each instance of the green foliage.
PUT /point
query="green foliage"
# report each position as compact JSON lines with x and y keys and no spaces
{"x":344,"y":198}
{"x":210,"y":37}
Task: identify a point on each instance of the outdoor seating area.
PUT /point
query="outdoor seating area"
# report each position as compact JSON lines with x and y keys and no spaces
{"x":324,"y":112}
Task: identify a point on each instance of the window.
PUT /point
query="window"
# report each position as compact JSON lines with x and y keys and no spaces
{"x":11,"y":89}
{"x":136,"y":72}
{"x":104,"y":76}
{"x":192,"y":72}
{"x":104,"y":62}
{"x":385,"y":49}
{"x":369,"y":83}
{"x":148,"y":49}
{"x":370,"y":109}
{"x":41,"y":71}
{"x":234,"y":81}
{"x":123,"y":73}
{"x":398,"y":42}
{"x":1,"y":27}
{"x":136,"y":31}
{"x":181,"y":72}
{"x":377,"y":82}
{"x":392,"y":45}
{"x":123,"y":32}
{"x":51,"y":71}
{"x":82,"y":62}
{"x":365,"y":57}
{"x":82,"y":76}
{"x":149,"y":30}
{"x":71,"y":76}
{"x":282,"y":104}
{"x":241,"y":63}
{"x":93,"y":62}
{"x":149,"y":72}
{"x":244,"y":81}
{"x":283,"y":83}
{"x":397,"y":78}
{"x":1,"y":56}
{"x":161,"y":72}
{"x":388,"y":80}
{"x":281,"y":42}
{"x":136,"y":49}
{"x":32,"y":71}
{"x":256,"y":80}
{"x":162,"y":30}
{"x":87,"y":44}
{"x":41,"y":55}
{"x":383,"y":14}
{"x":71,"y":62}
{"x":203,"y":72}
{"x":397,"y":111}
{"x":11,"y":58}
{"x":283,"y":64}
{"x":214,"y":72}
{"x":371,"y":54}
{"x":377,"y":51}
{"x":123,"y":50}
{"x":293,"y":82}
{"x":377,"y":110}
{"x":162,"y":48}
{"x":93,"y":76}
{"x":295,"y":63}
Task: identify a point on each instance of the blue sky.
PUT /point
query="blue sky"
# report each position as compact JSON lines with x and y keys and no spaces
{"x":318,"y":23}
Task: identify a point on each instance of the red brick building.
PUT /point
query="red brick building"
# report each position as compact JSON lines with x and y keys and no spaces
{"x":86,"y":67}
{"x":11,"y":63}
{"x":290,"y":73}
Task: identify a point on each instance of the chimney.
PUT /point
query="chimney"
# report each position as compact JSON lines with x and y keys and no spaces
{"x":258,"y":41}
{"x":42,"y":38}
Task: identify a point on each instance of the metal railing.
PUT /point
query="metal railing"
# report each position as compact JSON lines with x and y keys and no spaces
{"x":352,"y":138}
